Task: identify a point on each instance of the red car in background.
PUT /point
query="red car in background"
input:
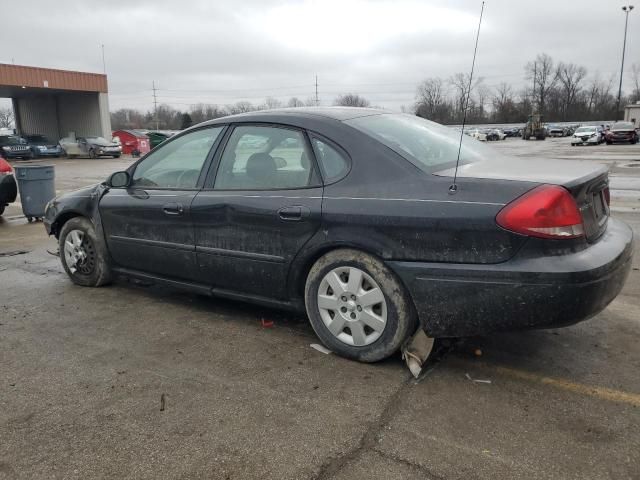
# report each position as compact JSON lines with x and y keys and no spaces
{"x":8,"y":188}
{"x":622,"y":132}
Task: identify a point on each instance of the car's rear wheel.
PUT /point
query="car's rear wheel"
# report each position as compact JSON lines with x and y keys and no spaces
{"x":357,"y":306}
{"x":92,"y":153}
{"x":82,"y":255}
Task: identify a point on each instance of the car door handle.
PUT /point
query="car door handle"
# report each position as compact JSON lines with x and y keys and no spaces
{"x":294,"y":213}
{"x":173,"y":209}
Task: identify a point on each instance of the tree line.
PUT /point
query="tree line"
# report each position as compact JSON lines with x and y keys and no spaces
{"x":560,"y":91}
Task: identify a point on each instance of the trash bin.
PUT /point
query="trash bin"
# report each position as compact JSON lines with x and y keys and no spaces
{"x":36,"y":184}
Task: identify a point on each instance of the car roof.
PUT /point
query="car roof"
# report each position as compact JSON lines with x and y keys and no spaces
{"x":328,"y":113}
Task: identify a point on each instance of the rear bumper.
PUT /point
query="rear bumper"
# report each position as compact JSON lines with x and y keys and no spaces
{"x":456,"y":300}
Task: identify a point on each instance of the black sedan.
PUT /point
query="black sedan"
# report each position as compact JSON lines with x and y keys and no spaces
{"x":42,"y":146}
{"x":349,"y":213}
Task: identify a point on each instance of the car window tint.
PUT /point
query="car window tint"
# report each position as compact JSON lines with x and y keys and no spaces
{"x":264,"y":158}
{"x":333,"y":163}
{"x":178,"y":163}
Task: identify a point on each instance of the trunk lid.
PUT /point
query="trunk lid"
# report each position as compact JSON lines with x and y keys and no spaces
{"x":587,"y":182}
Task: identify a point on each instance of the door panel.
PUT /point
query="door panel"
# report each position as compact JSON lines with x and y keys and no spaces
{"x":150,"y":230}
{"x":148,"y":226}
{"x":265,"y":205}
{"x":246,"y":241}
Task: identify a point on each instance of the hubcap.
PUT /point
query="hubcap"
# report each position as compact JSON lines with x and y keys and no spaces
{"x":79,"y":253}
{"x":352,"y":306}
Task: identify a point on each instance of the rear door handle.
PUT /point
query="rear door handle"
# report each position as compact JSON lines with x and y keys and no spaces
{"x":294,"y":213}
{"x":173,"y":209}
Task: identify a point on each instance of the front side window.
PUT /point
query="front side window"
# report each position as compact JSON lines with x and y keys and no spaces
{"x":333,"y":163}
{"x":264,"y":158}
{"x":178,"y":163}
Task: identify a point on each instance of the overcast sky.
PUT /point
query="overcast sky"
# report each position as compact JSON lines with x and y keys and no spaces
{"x":215,"y":51}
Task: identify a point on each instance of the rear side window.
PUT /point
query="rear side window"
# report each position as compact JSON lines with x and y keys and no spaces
{"x":265,"y":158}
{"x":333,"y":163}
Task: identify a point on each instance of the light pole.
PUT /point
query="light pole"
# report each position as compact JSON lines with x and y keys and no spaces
{"x":626,"y":9}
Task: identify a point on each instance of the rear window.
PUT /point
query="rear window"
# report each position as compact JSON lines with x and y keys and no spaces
{"x":586,"y":129}
{"x":622,"y":126}
{"x":428,"y":145}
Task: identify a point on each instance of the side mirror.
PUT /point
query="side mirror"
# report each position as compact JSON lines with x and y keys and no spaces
{"x":119,"y":180}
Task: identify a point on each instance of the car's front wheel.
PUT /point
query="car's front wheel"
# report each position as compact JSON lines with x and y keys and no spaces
{"x":82,"y":255}
{"x":357,"y":306}
{"x":93,"y":154}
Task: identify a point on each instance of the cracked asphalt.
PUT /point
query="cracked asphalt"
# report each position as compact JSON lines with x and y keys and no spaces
{"x":84,"y":374}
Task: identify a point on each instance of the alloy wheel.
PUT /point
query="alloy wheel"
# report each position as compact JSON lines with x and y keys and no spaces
{"x":79,"y":252}
{"x":352,"y":306}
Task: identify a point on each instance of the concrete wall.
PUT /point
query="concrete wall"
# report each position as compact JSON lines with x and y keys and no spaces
{"x":632,"y":114}
{"x":55,"y":115}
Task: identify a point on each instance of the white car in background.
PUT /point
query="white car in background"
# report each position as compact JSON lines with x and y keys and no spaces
{"x":588,"y":135}
{"x":479,"y":135}
{"x":92,"y":147}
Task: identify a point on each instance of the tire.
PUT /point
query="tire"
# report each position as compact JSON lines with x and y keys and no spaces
{"x":32,"y":155}
{"x":95,"y":270}
{"x":116,"y":156}
{"x":92,"y":154}
{"x":2,"y":207}
{"x":395,"y":309}
{"x":609,"y":143}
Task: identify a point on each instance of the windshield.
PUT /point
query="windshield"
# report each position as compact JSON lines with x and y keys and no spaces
{"x":424,"y":143}
{"x":622,"y":126}
{"x":586,"y":130}
{"x":11,"y":140}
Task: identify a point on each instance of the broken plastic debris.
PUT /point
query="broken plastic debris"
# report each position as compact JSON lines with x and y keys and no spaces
{"x":476,"y":380}
{"x":320,"y":348}
{"x":266,"y":323}
{"x":416,"y":352}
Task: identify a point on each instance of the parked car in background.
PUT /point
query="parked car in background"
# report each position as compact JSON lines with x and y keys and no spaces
{"x":284,"y":208}
{"x":558,"y":131}
{"x":512,"y":131}
{"x":479,"y":135}
{"x":622,"y":132}
{"x":42,"y":146}
{"x":588,"y":135}
{"x":92,"y":147}
{"x":14,"y":146}
{"x":498,"y":134}
{"x":8,"y":188}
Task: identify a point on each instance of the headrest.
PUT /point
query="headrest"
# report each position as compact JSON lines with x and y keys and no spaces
{"x":261,"y":165}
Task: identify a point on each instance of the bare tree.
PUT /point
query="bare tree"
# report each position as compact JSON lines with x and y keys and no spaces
{"x":241,"y":107}
{"x":351,"y":100}
{"x":463,"y":90}
{"x":430,"y":97}
{"x":544,"y":78}
{"x":271,"y":102}
{"x":295,"y":102}
{"x":570,"y":77}
{"x":503,"y":103}
{"x":6,"y":117}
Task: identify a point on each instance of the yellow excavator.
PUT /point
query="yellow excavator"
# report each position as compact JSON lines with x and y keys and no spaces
{"x":534,"y":128}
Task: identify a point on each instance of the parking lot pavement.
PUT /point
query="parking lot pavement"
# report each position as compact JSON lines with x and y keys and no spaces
{"x":133,"y":381}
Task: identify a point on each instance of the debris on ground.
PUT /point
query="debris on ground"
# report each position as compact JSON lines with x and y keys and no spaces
{"x":476,"y":380}
{"x":416,"y":352}
{"x":163,"y":400}
{"x":320,"y":348}
{"x":55,"y":254}
{"x":266,"y":323}
{"x":13,"y":253}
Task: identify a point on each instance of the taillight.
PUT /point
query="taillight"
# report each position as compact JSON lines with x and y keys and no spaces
{"x":5,"y":168}
{"x":547,"y":211}
{"x":607,"y":196}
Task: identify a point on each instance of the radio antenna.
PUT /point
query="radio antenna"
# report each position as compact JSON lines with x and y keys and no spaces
{"x":453,"y":188}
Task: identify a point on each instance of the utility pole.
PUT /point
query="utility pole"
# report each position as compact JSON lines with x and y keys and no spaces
{"x":626,"y":9}
{"x":155,"y":103}
{"x":533,"y":90}
{"x":317,"y":99}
